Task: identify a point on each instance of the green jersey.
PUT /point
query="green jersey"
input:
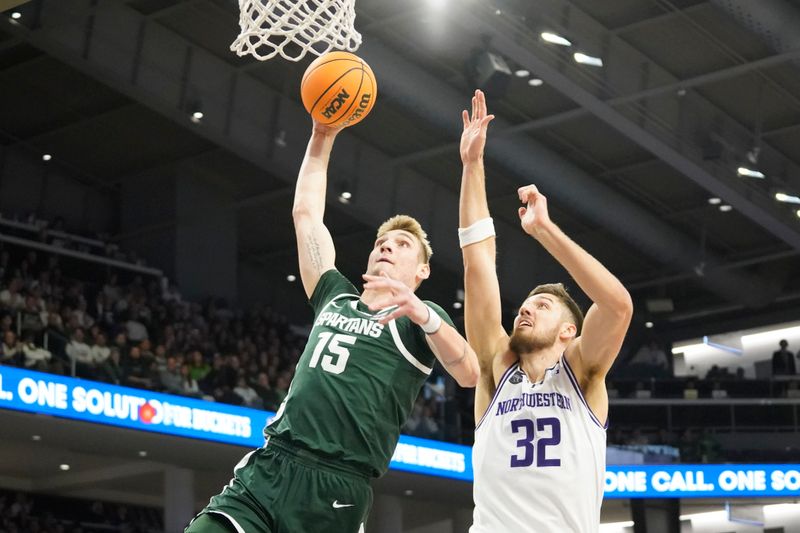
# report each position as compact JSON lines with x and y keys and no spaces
{"x":357,"y":379}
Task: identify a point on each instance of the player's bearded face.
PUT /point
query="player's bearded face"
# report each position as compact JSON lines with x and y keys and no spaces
{"x":537,"y":325}
{"x":528,"y":339}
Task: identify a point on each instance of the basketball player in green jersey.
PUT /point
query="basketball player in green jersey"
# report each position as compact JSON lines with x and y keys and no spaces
{"x":366,"y":359}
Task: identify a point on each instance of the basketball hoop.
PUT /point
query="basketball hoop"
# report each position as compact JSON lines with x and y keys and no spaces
{"x":292,"y":28}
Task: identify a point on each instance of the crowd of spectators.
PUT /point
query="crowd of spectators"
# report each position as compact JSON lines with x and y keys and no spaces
{"x":29,"y":513}
{"x":140,"y":332}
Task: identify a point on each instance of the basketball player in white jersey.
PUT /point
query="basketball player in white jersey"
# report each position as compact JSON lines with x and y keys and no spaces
{"x":541,"y":403}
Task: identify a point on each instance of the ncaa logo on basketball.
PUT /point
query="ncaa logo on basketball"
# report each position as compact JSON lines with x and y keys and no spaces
{"x":336,"y":104}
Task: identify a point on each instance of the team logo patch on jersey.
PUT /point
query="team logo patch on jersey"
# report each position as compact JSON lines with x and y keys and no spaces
{"x":516,"y":377}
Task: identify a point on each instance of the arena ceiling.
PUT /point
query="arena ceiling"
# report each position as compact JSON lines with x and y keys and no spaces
{"x":629,"y":154}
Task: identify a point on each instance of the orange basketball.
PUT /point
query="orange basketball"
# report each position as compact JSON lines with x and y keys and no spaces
{"x":338,"y":89}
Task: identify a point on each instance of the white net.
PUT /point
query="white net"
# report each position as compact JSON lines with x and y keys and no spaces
{"x":292,"y":28}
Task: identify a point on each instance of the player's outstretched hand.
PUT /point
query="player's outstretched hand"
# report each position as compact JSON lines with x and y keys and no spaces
{"x":473,"y":139}
{"x":325,"y":130}
{"x":534,"y":216}
{"x":399,"y":294}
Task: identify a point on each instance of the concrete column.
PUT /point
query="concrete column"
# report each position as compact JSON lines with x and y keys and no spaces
{"x":462,"y":520}
{"x":656,"y":515}
{"x":386,"y":515}
{"x":205,"y":238}
{"x":178,"y":499}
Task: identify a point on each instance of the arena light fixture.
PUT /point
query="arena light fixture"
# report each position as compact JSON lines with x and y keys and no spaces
{"x":291,"y":278}
{"x":725,"y":208}
{"x":63,"y":467}
{"x":197,"y":116}
{"x":36,"y":438}
{"x":47,"y":157}
{"x":614,"y":527}
{"x":775,"y":334}
{"x":714,"y":200}
{"x":554,"y":38}
{"x":16,"y":15}
{"x":787,"y":198}
{"x":585,"y":59}
{"x":522,"y":73}
{"x":345,"y":197}
{"x":457,"y":305}
{"x":798,"y":213}
{"x":750,"y":172}
{"x":142,"y":453}
{"x":535,"y":82}
{"x":648,"y":325}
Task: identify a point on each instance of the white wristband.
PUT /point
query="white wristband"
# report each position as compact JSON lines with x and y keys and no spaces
{"x":434,"y":322}
{"x":477,"y":232}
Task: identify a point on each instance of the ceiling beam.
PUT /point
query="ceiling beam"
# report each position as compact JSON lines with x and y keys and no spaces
{"x":516,"y":43}
{"x":573,"y":114}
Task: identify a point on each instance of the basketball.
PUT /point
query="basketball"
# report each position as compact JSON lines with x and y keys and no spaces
{"x":338,"y":89}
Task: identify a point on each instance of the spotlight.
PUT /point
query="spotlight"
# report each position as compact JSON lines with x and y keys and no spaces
{"x":408,"y":492}
{"x":750,"y":173}
{"x":798,"y":213}
{"x":36,"y":438}
{"x":16,"y":15}
{"x":587,"y":59}
{"x":725,"y":208}
{"x":787,"y":198}
{"x":648,"y":325}
{"x":64,"y":467}
{"x":554,"y":38}
{"x":714,"y":200}
{"x":291,"y":278}
{"x":197,"y":116}
{"x":47,"y":157}
{"x":457,"y":305}
{"x":535,"y":82}
{"x":522,"y":73}
{"x":345,"y":197}
{"x":142,"y":453}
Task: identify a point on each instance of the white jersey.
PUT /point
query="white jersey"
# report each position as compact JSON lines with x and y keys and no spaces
{"x":539,"y":457}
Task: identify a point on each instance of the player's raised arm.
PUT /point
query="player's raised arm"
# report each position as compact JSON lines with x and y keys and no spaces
{"x":607,"y":320}
{"x":483,"y":306}
{"x":315,"y":251}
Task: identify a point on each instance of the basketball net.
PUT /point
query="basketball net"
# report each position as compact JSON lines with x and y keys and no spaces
{"x":292,"y":28}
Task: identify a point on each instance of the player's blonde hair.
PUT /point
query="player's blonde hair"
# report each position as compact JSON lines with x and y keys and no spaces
{"x":560,"y":291}
{"x":409,"y":224}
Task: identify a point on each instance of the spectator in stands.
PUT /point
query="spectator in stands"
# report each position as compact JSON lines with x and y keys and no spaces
{"x":12,"y":297}
{"x":189,"y":385}
{"x":170,"y":377}
{"x":111,"y":371}
{"x":652,"y":355}
{"x":31,"y":317}
{"x":100,"y":350}
{"x":265,"y":391}
{"x":708,"y":448}
{"x":248,"y":395}
{"x":783,"y":361}
{"x":137,"y":371}
{"x":638,"y":438}
{"x":135,"y":329}
{"x":199,"y":366}
{"x":10,"y":349}
{"x":80,"y":354}
{"x":35,"y":358}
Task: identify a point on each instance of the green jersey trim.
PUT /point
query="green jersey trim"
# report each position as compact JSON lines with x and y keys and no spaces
{"x":404,"y":351}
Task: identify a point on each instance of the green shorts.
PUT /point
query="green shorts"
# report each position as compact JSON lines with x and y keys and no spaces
{"x":283,"y":489}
